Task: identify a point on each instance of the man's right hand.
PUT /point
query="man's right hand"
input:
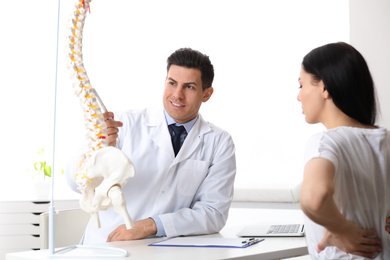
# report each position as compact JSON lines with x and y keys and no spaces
{"x":112,"y":128}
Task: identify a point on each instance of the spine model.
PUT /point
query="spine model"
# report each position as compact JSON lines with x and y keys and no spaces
{"x":102,"y":171}
{"x":89,"y":100}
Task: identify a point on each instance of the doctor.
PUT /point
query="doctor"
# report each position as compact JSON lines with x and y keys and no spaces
{"x":187,"y":193}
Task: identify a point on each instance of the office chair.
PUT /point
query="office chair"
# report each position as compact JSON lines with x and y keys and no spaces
{"x":69,"y":226}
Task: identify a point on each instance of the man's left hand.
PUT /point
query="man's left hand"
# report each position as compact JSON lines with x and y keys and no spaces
{"x":141,"y":229}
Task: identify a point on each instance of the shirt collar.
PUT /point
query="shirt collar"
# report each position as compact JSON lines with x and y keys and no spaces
{"x":188,"y":125}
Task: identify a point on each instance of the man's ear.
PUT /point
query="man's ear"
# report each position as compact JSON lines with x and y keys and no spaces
{"x":207,"y":93}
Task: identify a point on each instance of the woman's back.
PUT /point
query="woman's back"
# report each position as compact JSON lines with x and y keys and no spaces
{"x":362,"y":181}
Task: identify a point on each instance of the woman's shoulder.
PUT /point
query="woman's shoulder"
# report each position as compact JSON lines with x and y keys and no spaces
{"x":356,"y":133}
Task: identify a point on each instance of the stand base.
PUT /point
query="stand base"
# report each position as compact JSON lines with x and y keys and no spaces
{"x":81,"y":251}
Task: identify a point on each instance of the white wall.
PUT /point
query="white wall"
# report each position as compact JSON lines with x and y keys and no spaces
{"x":256,"y":49}
{"x":370,"y":34}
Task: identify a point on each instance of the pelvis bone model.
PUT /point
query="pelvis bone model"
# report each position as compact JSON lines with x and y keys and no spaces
{"x":103,"y":170}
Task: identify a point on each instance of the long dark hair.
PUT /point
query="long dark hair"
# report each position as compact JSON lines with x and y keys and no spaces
{"x":347,"y":79}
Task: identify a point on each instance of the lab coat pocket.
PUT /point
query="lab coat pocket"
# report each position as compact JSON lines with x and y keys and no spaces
{"x":191,"y":175}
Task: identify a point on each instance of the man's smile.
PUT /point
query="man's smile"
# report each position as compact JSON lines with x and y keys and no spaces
{"x":176,"y":104}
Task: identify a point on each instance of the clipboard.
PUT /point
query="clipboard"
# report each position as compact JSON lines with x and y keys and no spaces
{"x":208,"y":242}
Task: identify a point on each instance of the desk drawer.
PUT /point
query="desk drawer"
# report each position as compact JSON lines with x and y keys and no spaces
{"x":19,"y":229}
{"x":19,"y":242}
{"x":19,"y":223}
{"x":24,"y":206}
{"x":19,"y":218}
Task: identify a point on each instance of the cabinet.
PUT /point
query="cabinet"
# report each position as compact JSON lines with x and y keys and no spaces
{"x":19,"y":223}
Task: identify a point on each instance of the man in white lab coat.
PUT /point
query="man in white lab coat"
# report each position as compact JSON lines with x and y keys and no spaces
{"x":171,"y":195}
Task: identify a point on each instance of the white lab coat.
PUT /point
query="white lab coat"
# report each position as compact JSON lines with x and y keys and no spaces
{"x":191,"y":193}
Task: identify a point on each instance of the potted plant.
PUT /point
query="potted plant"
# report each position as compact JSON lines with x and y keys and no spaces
{"x":41,"y":167}
{"x":42,"y":175}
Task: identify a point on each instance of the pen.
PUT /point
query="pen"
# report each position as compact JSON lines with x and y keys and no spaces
{"x":251,"y":241}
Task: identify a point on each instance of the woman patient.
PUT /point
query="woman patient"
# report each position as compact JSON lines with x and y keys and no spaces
{"x":346,"y":188}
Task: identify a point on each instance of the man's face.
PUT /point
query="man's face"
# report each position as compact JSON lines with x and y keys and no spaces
{"x":183,"y":94}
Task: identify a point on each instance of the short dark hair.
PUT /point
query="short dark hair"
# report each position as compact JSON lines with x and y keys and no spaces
{"x":192,"y":59}
{"x":347,"y":79}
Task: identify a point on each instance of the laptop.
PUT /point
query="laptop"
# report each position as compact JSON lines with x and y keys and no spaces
{"x":284,"y":230}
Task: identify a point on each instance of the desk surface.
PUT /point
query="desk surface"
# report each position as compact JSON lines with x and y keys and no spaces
{"x":270,"y":248}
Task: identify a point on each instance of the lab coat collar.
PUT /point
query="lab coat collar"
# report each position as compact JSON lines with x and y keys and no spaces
{"x":155,"y":120}
{"x":160,"y":135}
{"x":193,"y":139}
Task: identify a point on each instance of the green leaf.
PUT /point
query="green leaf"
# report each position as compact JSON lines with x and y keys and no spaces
{"x":36,"y":167}
{"x":47,"y":170}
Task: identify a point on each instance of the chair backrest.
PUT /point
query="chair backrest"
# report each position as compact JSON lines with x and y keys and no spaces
{"x":69,"y":226}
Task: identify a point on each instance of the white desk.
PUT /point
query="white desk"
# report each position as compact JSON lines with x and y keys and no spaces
{"x":270,"y":248}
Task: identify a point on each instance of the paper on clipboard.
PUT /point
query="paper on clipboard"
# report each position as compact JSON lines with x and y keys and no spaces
{"x":208,"y":242}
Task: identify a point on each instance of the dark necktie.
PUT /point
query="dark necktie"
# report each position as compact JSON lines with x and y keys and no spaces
{"x":176,"y":133}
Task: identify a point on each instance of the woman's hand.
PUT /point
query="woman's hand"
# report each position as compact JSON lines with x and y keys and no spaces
{"x":354,"y":240}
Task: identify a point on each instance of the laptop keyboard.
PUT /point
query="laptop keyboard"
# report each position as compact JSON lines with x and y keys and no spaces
{"x":283,"y":229}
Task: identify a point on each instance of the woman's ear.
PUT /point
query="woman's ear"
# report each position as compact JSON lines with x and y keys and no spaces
{"x":325,"y":92}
